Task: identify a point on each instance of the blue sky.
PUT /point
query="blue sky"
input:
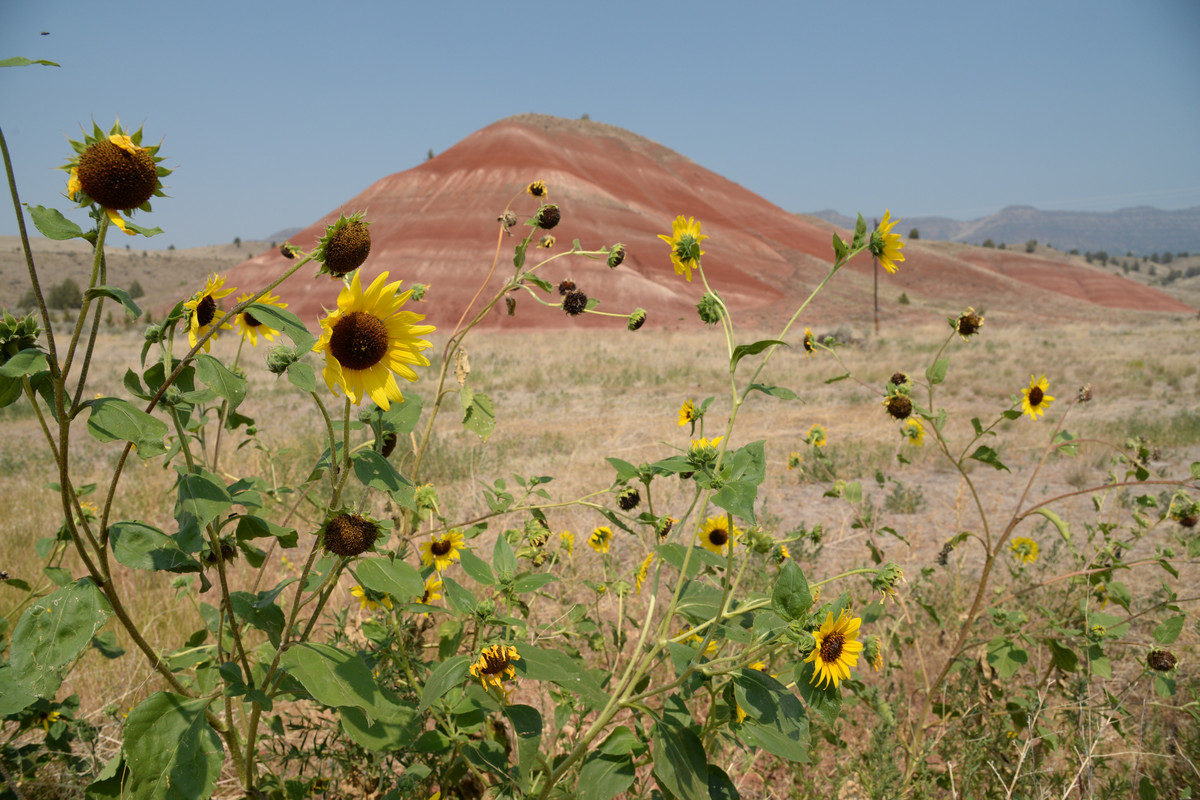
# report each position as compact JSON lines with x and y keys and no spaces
{"x":274,"y":113}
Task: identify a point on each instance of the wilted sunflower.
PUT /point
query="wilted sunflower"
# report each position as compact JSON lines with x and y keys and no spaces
{"x":371,"y":601}
{"x":344,"y":247}
{"x":204,"y":309}
{"x":816,"y":435}
{"x":898,"y":405}
{"x":546,"y":242}
{"x":687,"y":413}
{"x":600,"y":539}
{"x":685,"y":242}
{"x":810,"y":342}
{"x":913,"y":431}
{"x":115,"y":172}
{"x":967,"y":324}
{"x":538,"y":189}
{"x":642,"y":571}
{"x":495,"y":664}
{"x":886,"y":245}
{"x":442,"y":551}
{"x":836,"y":650}
{"x":1035,"y":399}
{"x":719,"y":535}
{"x":350,"y":535}
{"x":369,"y":340}
{"x":251,"y":327}
{"x":1024,"y":549}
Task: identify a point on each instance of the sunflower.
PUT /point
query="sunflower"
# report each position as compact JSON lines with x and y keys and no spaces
{"x":568,"y":542}
{"x":204,"y":310}
{"x":642,"y":571}
{"x":369,"y":340}
{"x":967,"y":324}
{"x":600,"y":539}
{"x":794,"y":460}
{"x":810,"y":342}
{"x":816,"y":435}
{"x":836,"y":650}
{"x":687,"y":413}
{"x":685,"y":242}
{"x":251,"y":327}
{"x":442,"y":551}
{"x":886,"y":245}
{"x":546,"y":241}
{"x":1036,"y":399}
{"x":913,"y":431}
{"x":692,"y":637}
{"x":1024,"y":549}
{"x":114,"y":172}
{"x":538,"y":189}
{"x":371,"y":601}
{"x":433,"y":589}
{"x":718,"y":534}
{"x":495,"y":664}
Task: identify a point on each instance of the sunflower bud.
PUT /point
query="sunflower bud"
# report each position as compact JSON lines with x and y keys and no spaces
{"x":280,"y":357}
{"x":616,"y":255}
{"x":419,"y":290}
{"x":17,"y":334}
{"x":628,"y":498}
{"x":709,"y":308}
{"x":637,"y":319}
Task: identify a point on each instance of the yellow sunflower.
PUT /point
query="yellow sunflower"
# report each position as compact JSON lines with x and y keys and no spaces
{"x":836,"y":650}
{"x":886,"y":245}
{"x":1036,"y":400}
{"x":913,"y":431}
{"x":568,"y":542}
{"x":687,"y":412}
{"x":718,"y":534}
{"x":204,"y":310}
{"x":371,"y":601}
{"x":1024,"y":549}
{"x":642,"y":571}
{"x":816,"y":435}
{"x":600,"y":539}
{"x":442,"y":551}
{"x":546,"y":241}
{"x":114,"y":172}
{"x":538,"y":189}
{"x":495,"y":664}
{"x":685,"y":242}
{"x":369,"y":340}
{"x":433,"y":589}
{"x":251,"y":327}
{"x":810,"y":342}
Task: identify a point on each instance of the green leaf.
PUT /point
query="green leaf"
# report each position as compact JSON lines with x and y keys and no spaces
{"x":838,"y":378}
{"x":391,"y":576}
{"x":201,"y":498}
{"x":171,"y":752}
{"x":27,"y":362}
{"x":332,"y":676}
{"x":1195,"y":468}
{"x":840,"y":248}
{"x":860,"y":233}
{"x":459,"y":597}
{"x":775,"y":719}
{"x":504,"y":561}
{"x":559,"y":668}
{"x":216,"y":376}
{"x":1169,"y":630}
{"x":936,"y":373}
{"x":527,"y":725}
{"x":531,"y":583}
{"x":679,"y":761}
{"x":791,"y":598}
{"x":539,"y":282}
{"x":479,"y":415}
{"x":404,"y":416}
{"x":132,"y":309}
{"x":259,"y":611}
{"x":782,"y":392}
{"x":743,"y":350}
{"x":142,"y":546}
{"x":446,"y":676}
{"x":1005,"y":656}
{"x":376,"y":472}
{"x":113,"y":419}
{"x":989,"y":456}
{"x":622,"y":741}
{"x":603,"y":777}
{"x":477,"y":568}
{"x":53,"y":225}
{"x":396,"y":732}
{"x":824,"y":701}
{"x":285,"y":322}
{"x":109,"y":783}
{"x":1064,"y":658}
{"x":1064,"y":530}
{"x":1011,"y":413}
{"x":302,"y":376}
{"x":737,"y":497}
{"x":720,"y":787}
{"x":625,"y":470}
{"x":19,"y":61}
{"x":106,"y":643}
{"x":252,"y":527}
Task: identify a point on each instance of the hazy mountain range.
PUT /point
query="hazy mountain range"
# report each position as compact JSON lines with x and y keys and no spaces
{"x":1142,"y":230}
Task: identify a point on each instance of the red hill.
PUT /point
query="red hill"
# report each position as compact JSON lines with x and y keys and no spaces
{"x":436,"y":224}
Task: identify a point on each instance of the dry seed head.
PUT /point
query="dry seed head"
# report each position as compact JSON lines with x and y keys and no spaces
{"x":347,"y":247}
{"x":116,"y":176}
{"x":548,"y":216}
{"x":565,"y":286}
{"x":898,"y":405}
{"x":575,"y":302}
{"x":350,"y":534}
{"x":1161,"y":660}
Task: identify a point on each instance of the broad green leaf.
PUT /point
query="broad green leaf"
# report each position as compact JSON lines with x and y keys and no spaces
{"x":52,"y":224}
{"x":559,"y":668}
{"x":791,"y":598}
{"x":1064,"y":658}
{"x":1064,"y":530}
{"x":479,"y":415}
{"x":132,"y":309}
{"x":743,"y":350}
{"x":170,"y":750}
{"x":825,"y":701}
{"x":531,"y":583}
{"x":106,"y":643}
{"x":302,"y":376}
{"x":459,"y":597}
{"x":603,"y":777}
{"x":142,"y":546}
{"x":860,"y":233}
{"x":216,"y":376}
{"x":285,"y":322}
{"x":404,"y":416}
{"x":201,"y":498}
{"x":113,"y":419}
{"x":720,"y":787}
{"x":527,"y":725}
{"x":446,"y":676}
{"x":376,"y":472}
{"x":679,"y":761}
{"x":989,"y":456}
{"x":260,"y":612}
{"x":488,"y":755}
{"x":252,"y":527}
{"x":332,"y":676}
{"x":21,"y":61}
{"x":622,"y":741}
{"x":1169,"y":630}
{"x":395,"y":577}
{"x":397,"y":732}
{"x":1005,"y":656}
{"x":504,"y":560}
{"x":782,"y":392}
{"x":699,"y":602}
{"x":936,"y":372}
{"x":27,"y":362}
{"x":108,"y":784}
{"x":775,"y":719}
{"x":477,"y":568}
{"x":737,"y":497}
{"x":625,"y":470}
{"x":840,"y":248}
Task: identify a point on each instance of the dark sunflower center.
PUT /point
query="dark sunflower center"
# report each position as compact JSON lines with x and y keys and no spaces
{"x":1035,"y":396}
{"x":718,"y":536}
{"x":441,"y":548}
{"x":359,"y":340}
{"x":206,"y":309}
{"x":249,"y":319}
{"x":494,"y":664}
{"x":831,"y":647}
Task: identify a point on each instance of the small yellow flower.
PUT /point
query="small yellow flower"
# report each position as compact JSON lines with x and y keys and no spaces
{"x":251,"y":327}
{"x":642,"y":572}
{"x":49,"y":719}
{"x":1024,"y":549}
{"x":1035,"y":399}
{"x":600,"y":539}
{"x":761,"y":666}
{"x":816,"y":436}
{"x":687,"y":412}
{"x":782,"y":554}
{"x":794,"y":460}
{"x":886,"y":245}
{"x":568,"y":542}
{"x":693,"y":637}
{"x":685,"y":242}
{"x":719,"y":535}
{"x":495,"y":664}
{"x":204,"y":311}
{"x":367,"y":600}
{"x":433,"y":589}
{"x":837,"y":649}
{"x":538,"y":189}
{"x":546,"y":242}
{"x":810,"y":342}
{"x":442,"y":551}
{"x":704,"y":445}
{"x":913,"y":431}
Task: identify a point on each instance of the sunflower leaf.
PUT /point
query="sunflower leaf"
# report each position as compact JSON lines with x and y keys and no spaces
{"x":782,"y":392}
{"x":391,"y":576}
{"x":989,"y":456}
{"x":791,"y":597}
{"x":171,"y":750}
{"x":479,"y":415}
{"x":446,"y":676}
{"x":21,"y":61}
{"x":743,"y":350}
{"x":679,"y":760}
{"x":936,"y":373}
{"x":147,"y":232}
{"x":118,"y":294}
{"x":840,"y":248}
{"x":860,"y":233}
{"x":775,"y":719}
{"x":603,"y":777}
{"x":52,"y":224}
{"x":217,"y":377}
{"x":114,"y":419}
{"x":824,"y":701}
{"x":284,"y":321}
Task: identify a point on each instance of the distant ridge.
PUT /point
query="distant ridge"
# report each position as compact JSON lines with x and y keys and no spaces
{"x":1141,"y":230}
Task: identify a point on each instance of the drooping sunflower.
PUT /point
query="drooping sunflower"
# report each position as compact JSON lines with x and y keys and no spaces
{"x":442,"y":551}
{"x":687,"y":412}
{"x":601,"y":539}
{"x":1024,"y":549}
{"x":810,"y":342}
{"x":967,"y":324}
{"x":568,"y":543}
{"x":203,"y":310}
{"x":685,"y":242}
{"x":251,"y":327}
{"x":495,"y":664}
{"x":642,"y":571}
{"x":538,"y":189}
{"x":369,"y":340}
{"x":886,"y":245}
{"x":719,"y":535}
{"x":913,"y":432}
{"x":816,"y":435}
{"x":836,"y":650}
{"x":371,"y":601}
{"x":115,"y":172}
{"x":1035,"y":399}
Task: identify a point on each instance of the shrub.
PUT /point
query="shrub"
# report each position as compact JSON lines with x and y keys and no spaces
{"x":66,"y":294}
{"x":136,"y":290}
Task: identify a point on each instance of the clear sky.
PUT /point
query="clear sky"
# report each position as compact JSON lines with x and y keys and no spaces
{"x":274,"y":113}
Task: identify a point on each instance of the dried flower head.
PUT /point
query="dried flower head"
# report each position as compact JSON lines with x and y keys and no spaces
{"x":350,"y":534}
{"x":344,"y":247}
{"x":115,"y":172}
{"x":548,"y":216}
{"x":575,"y":303}
{"x":1161,"y":660}
{"x":566,"y":285}
{"x":628,"y":498}
{"x":537,"y":189}
{"x":898,"y":405}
